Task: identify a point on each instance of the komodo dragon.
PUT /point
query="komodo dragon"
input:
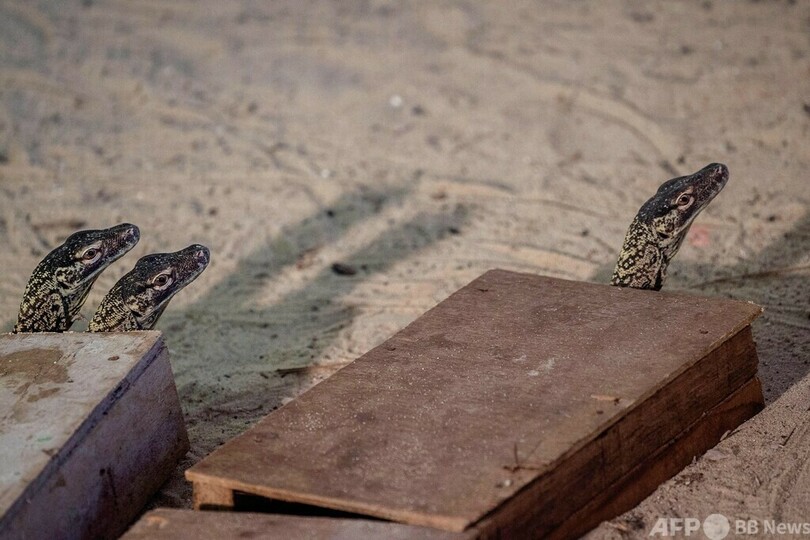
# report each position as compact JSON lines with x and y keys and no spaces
{"x":139,"y":298}
{"x":60,"y":283}
{"x":661,"y":225}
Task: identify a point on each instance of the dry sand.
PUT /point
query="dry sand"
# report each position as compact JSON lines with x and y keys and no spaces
{"x":422,"y":144}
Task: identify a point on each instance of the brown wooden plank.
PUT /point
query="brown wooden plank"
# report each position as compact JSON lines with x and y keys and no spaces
{"x":425,"y":429}
{"x":191,"y":525}
{"x":637,"y":436}
{"x":636,"y":485}
{"x":91,"y":428}
{"x":760,"y":472}
{"x":528,"y":515}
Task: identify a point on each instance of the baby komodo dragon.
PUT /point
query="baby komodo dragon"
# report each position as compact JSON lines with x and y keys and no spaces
{"x":661,"y":225}
{"x":139,"y":298}
{"x":60,"y":283}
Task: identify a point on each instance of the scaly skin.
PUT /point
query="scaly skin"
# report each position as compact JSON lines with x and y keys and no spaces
{"x":60,"y":283}
{"x":659,"y":228}
{"x":139,"y":298}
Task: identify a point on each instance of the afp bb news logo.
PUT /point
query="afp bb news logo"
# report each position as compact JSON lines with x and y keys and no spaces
{"x":718,"y":526}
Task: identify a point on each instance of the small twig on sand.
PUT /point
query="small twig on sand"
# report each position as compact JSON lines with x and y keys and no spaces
{"x":789,"y":435}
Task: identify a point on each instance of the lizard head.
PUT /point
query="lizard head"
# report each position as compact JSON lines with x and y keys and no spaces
{"x":156,"y":278}
{"x":670,"y":212}
{"x":85,"y":254}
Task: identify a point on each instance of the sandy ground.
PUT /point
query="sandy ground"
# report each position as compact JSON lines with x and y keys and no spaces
{"x":422,"y":144}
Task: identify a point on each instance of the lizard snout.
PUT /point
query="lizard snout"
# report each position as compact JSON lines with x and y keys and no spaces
{"x":718,"y":173}
{"x":201,"y":254}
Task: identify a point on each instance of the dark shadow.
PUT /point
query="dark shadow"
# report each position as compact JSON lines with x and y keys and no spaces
{"x":8,"y":324}
{"x":325,"y":226}
{"x":254,"y":341}
{"x":246,"y":502}
{"x":774,"y":278}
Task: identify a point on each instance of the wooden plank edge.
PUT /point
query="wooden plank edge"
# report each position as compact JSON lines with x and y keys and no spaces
{"x":639,"y":483}
{"x":210,"y":496}
{"x":212,"y":492}
{"x":665,"y":463}
{"x":715,"y":394}
{"x":176,"y":524}
{"x":542,"y":496}
{"x":756,"y":309}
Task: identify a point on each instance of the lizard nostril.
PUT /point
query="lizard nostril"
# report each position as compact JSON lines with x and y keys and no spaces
{"x":132,"y":232}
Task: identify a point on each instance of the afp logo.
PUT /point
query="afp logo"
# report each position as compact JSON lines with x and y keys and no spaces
{"x":715,"y":527}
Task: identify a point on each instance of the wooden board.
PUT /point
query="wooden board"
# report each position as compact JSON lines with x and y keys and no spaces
{"x":91,"y":427}
{"x":629,"y":491}
{"x":516,"y":389}
{"x":760,"y":472}
{"x":190,"y":525}
{"x":525,"y":514}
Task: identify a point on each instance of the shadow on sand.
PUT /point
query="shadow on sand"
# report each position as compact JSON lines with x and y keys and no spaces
{"x":255,"y":341}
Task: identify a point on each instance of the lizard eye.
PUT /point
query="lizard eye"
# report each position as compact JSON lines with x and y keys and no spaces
{"x":90,"y":255}
{"x":162,"y":280}
{"x":684,"y":200}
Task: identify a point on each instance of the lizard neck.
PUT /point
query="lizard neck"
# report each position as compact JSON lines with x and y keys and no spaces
{"x":643,"y":260}
{"x":149,"y":322}
{"x":44,"y":308}
{"x":74,"y":300}
{"x":670,"y":246}
{"x":113,"y":315}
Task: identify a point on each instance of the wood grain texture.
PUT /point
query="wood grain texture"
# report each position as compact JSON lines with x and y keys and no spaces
{"x":760,"y":472}
{"x":513,"y":377}
{"x":91,"y":428}
{"x":631,"y":444}
{"x":189,"y":525}
{"x":634,"y":486}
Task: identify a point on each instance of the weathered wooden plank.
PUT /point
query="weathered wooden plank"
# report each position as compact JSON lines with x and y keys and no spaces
{"x":537,"y":510}
{"x":91,"y":428}
{"x":510,"y":379}
{"x":759,"y":473}
{"x":630,"y":444}
{"x":191,"y":525}
{"x":666,"y":462}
